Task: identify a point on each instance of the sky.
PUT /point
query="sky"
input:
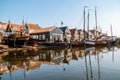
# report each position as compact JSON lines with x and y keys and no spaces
{"x":51,"y":12}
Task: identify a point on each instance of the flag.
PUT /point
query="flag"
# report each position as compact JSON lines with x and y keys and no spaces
{"x":23,"y":21}
{"x":9,"y":21}
{"x":61,"y":23}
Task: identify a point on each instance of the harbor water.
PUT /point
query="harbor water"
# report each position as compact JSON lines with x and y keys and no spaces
{"x":93,"y":63}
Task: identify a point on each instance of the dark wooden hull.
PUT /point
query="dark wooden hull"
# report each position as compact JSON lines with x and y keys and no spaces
{"x":97,"y":43}
{"x":17,"y":42}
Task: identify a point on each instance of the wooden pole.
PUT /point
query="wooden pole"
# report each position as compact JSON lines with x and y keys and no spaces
{"x":84,"y":21}
{"x":111,"y":32}
{"x":96,"y":23}
{"x":88,"y":24}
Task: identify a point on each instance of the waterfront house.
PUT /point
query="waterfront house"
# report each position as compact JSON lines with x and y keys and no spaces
{"x":66,"y":33}
{"x":14,"y":29}
{"x":89,"y":35}
{"x":99,"y":34}
{"x":49,"y":34}
{"x":8,"y":29}
{"x":14,"y":34}
{"x":74,"y":34}
{"x":80,"y":34}
{"x":2,"y":27}
{"x":96,"y":33}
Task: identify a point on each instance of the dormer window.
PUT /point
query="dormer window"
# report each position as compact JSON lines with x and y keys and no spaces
{"x":14,"y":27}
{"x":0,"y":26}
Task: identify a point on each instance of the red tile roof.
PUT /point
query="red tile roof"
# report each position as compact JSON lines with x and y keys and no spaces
{"x":33,"y":26}
{"x":16,"y":27}
{"x":2,"y":26}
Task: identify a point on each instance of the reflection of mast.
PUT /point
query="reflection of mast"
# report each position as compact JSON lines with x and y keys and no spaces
{"x":90,"y":66}
{"x":10,"y":71}
{"x":10,"y":75}
{"x":25,"y":71}
{"x":113,"y":54}
{"x":86,"y":66}
{"x":98,"y":66}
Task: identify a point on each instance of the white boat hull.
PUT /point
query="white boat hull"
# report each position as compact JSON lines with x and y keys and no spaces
{"x":89,"y":42}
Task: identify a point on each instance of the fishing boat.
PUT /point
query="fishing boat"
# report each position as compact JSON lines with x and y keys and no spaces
{"x":88,"y":41}
{"x":13,"y":37}
{"x":98,"y":39}
{"x":85,"y":41}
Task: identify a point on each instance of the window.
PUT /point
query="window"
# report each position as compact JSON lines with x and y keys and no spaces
{"x":43,"y":37}
{"x":14,"y":27}
{"x":40,"y":37}
{"x":35,"y":36}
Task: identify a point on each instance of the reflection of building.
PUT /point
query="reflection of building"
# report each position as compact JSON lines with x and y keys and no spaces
{"x":75,"y":54}
{"x":67,"y":56}
{"x":3,"y":69}
{"x":46,"y":56}
{"x":33,"y":50}
{"x":51,"y":55}
{"x":32,"y":64}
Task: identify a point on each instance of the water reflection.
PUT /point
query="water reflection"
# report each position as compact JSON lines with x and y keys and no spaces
{"x":32,"y":60}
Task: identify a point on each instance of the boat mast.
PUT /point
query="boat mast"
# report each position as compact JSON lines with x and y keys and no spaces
{"x":23,"y":23}
{"x":88,"y":24}
{"x":111,"y":32}
{"x":96,"y":23}
{"x":84,"y":21}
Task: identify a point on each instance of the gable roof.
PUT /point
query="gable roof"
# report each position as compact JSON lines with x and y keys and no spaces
{"x":92,"y":31}
{"x":8,"y":29}
{"x":63,"y":28}
{"x":33,"y":26}
{"x":16,"y":27}
{"x":13,"y":27}
{"x":79,"y":30}
{"x":72,"y":31}
{"x":42,"y":30}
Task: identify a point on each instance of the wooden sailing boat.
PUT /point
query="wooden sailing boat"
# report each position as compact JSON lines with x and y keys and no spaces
{"x":85,"y":41}
{"x":81,"y":43}
{"x":88,"y":41}
{"x":99,"y":42}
